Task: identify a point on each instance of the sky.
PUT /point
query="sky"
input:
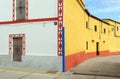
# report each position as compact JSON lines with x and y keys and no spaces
{"x":104,"y":8}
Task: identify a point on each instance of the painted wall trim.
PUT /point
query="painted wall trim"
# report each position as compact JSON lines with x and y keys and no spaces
{"x":30,"y":20}
{"x":60,"y":25}
{"x":11,"y":36}
{"x":26,"y":17}
{"x":13,"y":8}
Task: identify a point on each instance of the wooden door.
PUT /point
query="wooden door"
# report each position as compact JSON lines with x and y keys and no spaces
{"x":17,"y":49}
{"x":97,"y":48}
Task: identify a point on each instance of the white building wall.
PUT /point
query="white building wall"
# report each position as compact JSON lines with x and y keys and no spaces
{"x":5,"y":10}
{"x":5,"y":30}
{"x":42,"y":8}
{"x":41,"y":38}
{"x":36,"y":9}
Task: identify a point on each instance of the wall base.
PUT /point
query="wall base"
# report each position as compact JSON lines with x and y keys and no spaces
{"x":75,"y":59}
{"x":42,"y":63}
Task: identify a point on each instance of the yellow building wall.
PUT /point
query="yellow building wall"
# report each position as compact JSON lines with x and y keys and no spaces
{"x":117,"y":28}
{"x":80,"y":30}
{"x":87,"y":28}
{"x":112,"y":39}
{"x":116,"y":25}
{"x":114,"y":36}
{"x":110,"y":22}
{"x":104,"y":37}
{"x":118,"y":36}
{"x":77,"y":34}
{"x":74,"y":22}
{"x":92,"y":34}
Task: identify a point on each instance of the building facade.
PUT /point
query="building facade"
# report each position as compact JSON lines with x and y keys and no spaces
{"x":31,"y":34}
{"x":53,"y":35}
{"x":86,"y":35}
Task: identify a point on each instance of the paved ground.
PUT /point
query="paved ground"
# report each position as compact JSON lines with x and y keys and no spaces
{"x":99,"y":68}
{"x":95,"y":68}
{"x":19,"y":74}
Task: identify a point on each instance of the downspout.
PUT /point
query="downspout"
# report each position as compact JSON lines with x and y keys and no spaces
{"x":63,"y":50}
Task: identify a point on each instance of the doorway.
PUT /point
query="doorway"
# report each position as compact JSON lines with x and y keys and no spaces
{"x":17,"y":49}
{"x":97,"y":48}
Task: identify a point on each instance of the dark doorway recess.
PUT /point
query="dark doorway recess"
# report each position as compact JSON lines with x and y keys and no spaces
{"x":17,"y":49}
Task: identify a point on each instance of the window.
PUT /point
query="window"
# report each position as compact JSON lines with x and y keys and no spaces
{"x":117,"y":28}
{"x":104,"y":31}
{"x":20,"y":9}
{"x":95,"y":28}
{"x":87,"y":24}
{"x":87,"y":45}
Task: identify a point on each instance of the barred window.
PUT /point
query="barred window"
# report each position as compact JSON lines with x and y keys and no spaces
{"x":20,"y":9}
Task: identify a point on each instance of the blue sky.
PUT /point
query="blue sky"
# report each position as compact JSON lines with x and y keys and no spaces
{"x":104,"y":8}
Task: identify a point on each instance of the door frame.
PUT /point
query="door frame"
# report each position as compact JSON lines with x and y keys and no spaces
{"x":11,"y":36}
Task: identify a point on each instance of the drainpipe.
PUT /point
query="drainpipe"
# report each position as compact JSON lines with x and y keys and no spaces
{"x":63,"y":50}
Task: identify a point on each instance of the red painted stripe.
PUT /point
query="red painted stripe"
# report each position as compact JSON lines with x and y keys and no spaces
{"x":105,"y":53}
{"x":90,"y":55}
{"x":75,"y":59}
{"x":30,"y":20}
{"x":115,"y":53}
